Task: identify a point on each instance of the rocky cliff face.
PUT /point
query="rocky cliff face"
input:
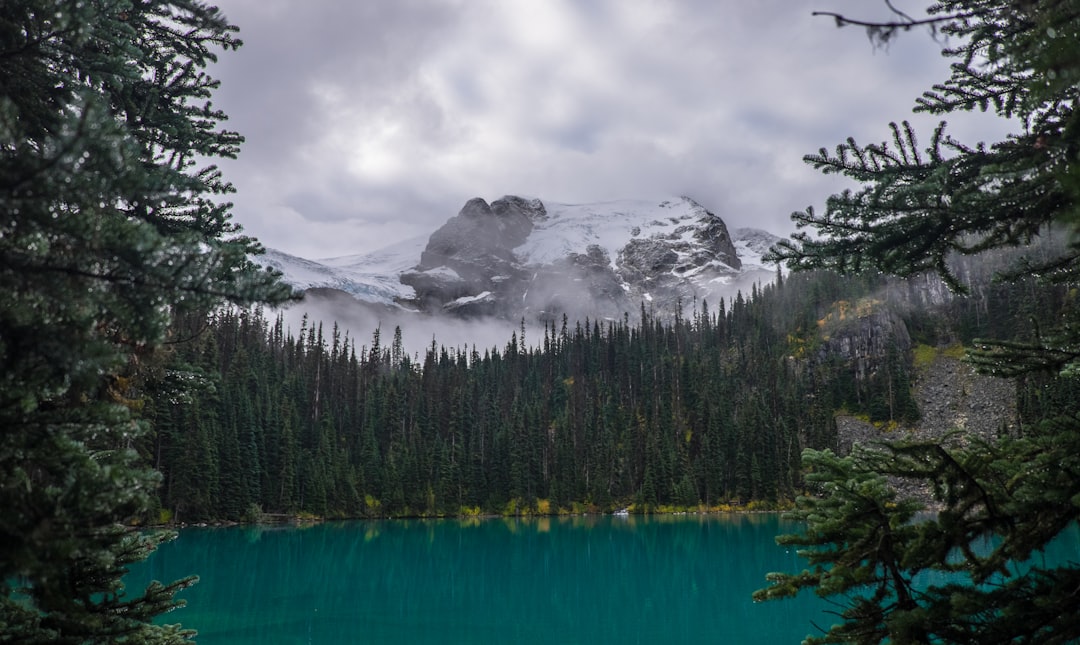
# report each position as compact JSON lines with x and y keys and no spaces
{"x":864,"y":334}
{"x":479,"y":241}
{"x":469,"y":264}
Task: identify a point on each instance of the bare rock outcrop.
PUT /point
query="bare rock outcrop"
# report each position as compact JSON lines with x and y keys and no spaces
{"x":864,"y":334}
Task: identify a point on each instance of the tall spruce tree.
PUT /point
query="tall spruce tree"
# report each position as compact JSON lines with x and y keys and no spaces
{"x":107,"y":227}
{"x":914,"y":211}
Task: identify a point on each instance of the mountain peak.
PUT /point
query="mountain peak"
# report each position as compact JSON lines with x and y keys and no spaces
{"x":519,"y":257}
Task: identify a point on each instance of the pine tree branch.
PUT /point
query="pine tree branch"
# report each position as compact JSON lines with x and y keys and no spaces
{"x":843,"y":21}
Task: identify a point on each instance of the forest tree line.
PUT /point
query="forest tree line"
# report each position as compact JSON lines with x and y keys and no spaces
{"x":706,"y":409}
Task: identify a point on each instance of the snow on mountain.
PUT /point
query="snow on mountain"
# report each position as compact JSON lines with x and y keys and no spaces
{"x":572,"y":228}
{"x":523,"y":257}
{"x":371,"y":277}
{"x":752,"y":244}
{"x":541,"y":261}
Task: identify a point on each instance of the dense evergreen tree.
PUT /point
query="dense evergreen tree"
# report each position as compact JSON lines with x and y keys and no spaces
{"x":916,"y":212}
{"x":108,"y":226}
{"x":661,"y":414}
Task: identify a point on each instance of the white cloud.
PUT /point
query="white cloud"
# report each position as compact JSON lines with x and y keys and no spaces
{"x":375,"y":121}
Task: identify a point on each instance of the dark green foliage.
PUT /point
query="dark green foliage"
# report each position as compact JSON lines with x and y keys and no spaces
{"x":106,"y":228}
{"x":1000,"y":502}
{"x":866,"y":543}
{"x":709,"y":409}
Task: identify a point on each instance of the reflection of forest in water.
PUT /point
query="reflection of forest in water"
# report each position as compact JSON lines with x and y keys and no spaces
{"x":547,"y":579}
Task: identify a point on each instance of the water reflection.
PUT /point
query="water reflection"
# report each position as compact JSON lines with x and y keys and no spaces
{"x":582,"y":579}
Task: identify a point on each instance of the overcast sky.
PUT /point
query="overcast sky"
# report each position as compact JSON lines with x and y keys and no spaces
{"x":373,"y":121}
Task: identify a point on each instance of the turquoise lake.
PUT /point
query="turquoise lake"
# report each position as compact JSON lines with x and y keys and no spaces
{"x":596,"y":579}
{"x":663,"y":579}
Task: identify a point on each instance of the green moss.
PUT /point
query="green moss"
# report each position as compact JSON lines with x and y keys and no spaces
{"x":887,"y":426}
{"x":923,"y":355}
{"x":955,"y":350}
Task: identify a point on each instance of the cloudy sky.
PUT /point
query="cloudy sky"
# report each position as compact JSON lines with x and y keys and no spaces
{"x":373,"y":121}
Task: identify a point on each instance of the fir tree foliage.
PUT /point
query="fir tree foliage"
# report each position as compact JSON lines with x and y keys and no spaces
{"x":704,"y":410}
{"x":109,"y":226}
{"x":1000,"y":503}
{"x":915,"y":207}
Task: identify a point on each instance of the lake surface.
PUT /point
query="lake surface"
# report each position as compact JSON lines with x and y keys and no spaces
{"x":664,"y":579}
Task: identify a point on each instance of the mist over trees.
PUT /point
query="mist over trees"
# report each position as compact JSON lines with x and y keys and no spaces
{"x":709,"y":409}
{"x":704,"y":410}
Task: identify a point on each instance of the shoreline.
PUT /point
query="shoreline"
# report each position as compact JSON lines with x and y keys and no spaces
{"x":283,"y":519}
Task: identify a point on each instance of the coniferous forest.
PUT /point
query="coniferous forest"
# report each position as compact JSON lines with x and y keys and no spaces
{"x":142,"y":381}
{"x":711,"y":408}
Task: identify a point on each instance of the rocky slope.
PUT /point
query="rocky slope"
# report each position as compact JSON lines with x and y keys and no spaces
{"x":956,"y":405}
{"x":952,"y":397}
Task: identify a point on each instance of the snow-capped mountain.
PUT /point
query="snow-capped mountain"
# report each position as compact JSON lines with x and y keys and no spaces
{"x":370,"y":277}
{"x":752,"y":244}
{"x":523,"y":258}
